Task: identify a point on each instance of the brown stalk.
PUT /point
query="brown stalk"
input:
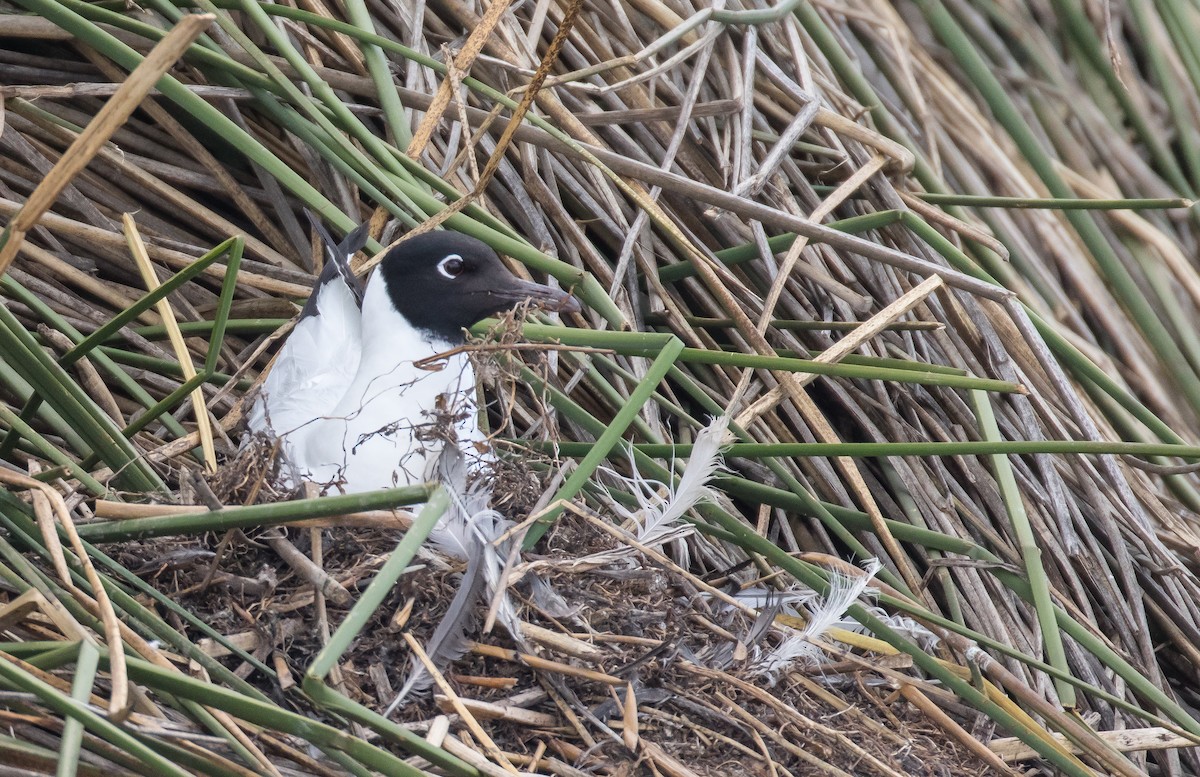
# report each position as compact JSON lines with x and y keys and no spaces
{"x":506,"y":137}
{"x":100,"y":129}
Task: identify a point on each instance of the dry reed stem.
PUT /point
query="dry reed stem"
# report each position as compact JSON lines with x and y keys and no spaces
{"x":310,"y":570}
{"x":89,"y":377}
{"x":50,"y":507}
{"x":1011,"y":749}
{"x":377,"y":519}
{"x":114,"y":113}
{"x":547,"y":665}
{"x":506,"y":137}
{"x":847,"y":345}
{"x":938,"y":716}
{"x":176,"y":259}
{"x":137,"y":250}
{"x":489,"y":747}
{"x":462,"y":62}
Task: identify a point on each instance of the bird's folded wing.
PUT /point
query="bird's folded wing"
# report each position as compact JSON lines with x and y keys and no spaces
{"x":337,"y":262}
{"x":315,"y":366}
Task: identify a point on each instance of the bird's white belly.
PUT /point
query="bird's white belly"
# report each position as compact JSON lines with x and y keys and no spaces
{"x":389,"y":426}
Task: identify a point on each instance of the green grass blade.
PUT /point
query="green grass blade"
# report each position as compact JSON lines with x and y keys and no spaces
{"x":252,"y":515}
{"x":87,"y":661}
{"x":607,"y":441}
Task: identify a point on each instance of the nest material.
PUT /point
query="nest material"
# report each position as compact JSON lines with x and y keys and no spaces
{"x":633,"y":633}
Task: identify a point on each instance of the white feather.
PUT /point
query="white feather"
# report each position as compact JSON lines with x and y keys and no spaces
{"x":661,"y":515}
{"x":906,"y":626}
{"x":844,"y":590}
{"x":660,"y":506}
{"x":792,"y":649}
{"x":787,"y":601}
{"x":829,"y":611}
{"x":467,"y":531}
{"x":546,"y":598}
{"x":304,"y":376}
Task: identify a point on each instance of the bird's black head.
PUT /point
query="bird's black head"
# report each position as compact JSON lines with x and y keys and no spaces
{"x":443,"y":282}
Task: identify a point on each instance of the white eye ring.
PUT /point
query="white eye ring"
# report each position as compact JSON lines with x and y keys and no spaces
{"x":451,"y":267}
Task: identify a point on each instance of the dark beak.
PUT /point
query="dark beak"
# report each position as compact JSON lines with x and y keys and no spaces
{"x":556,"y":300}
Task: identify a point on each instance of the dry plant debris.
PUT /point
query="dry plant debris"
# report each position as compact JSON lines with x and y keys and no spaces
{"x":854,"y":228}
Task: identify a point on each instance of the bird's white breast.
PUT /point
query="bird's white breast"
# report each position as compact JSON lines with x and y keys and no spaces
{"x":395,"y":416}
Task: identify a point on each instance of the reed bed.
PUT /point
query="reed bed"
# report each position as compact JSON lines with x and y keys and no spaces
{"x":933,"y":259}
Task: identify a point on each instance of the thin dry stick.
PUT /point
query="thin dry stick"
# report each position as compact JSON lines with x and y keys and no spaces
{"x":546,"y":665}
{"x":848,"y":344}
{"x":89,"y":376}
{"x":344,"y":44}
{"x":664,"y":763}
{"x":493,"y":752}
{"x":492,"y":711}
{"x":87,"y":233}
{"x":109,"y":119}
{"x":772,"y":771}
{"x":461,"y":63}
{"x":1013,"y":749}
{"x":827,"y":206}
{"x":938,"y":216}
{"x":950,"y":726}
{"x":309,"y":569}
{"x":454,"y":77}
{"x":138,"y":249}
{"x":506,"y":137}
{"x":459,"y":749}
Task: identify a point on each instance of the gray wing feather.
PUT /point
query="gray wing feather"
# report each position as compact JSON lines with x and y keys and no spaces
{"x":337,"y":262}
{"x":465,"y":531}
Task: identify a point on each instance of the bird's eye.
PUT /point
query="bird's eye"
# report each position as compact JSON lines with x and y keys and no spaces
{"x":452,"y":266}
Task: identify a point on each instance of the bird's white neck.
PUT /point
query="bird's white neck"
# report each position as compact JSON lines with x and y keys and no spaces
{"x":390,"y":348}
{"x":385,"y":330}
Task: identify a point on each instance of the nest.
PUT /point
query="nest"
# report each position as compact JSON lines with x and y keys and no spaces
{"x":621,"y":669}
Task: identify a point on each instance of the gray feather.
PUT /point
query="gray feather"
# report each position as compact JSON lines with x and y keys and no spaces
{"x":337,"y":262}
{"x":466,"y":532}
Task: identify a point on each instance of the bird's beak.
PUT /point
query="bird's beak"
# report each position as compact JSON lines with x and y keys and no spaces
{"x":544,"y":297}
